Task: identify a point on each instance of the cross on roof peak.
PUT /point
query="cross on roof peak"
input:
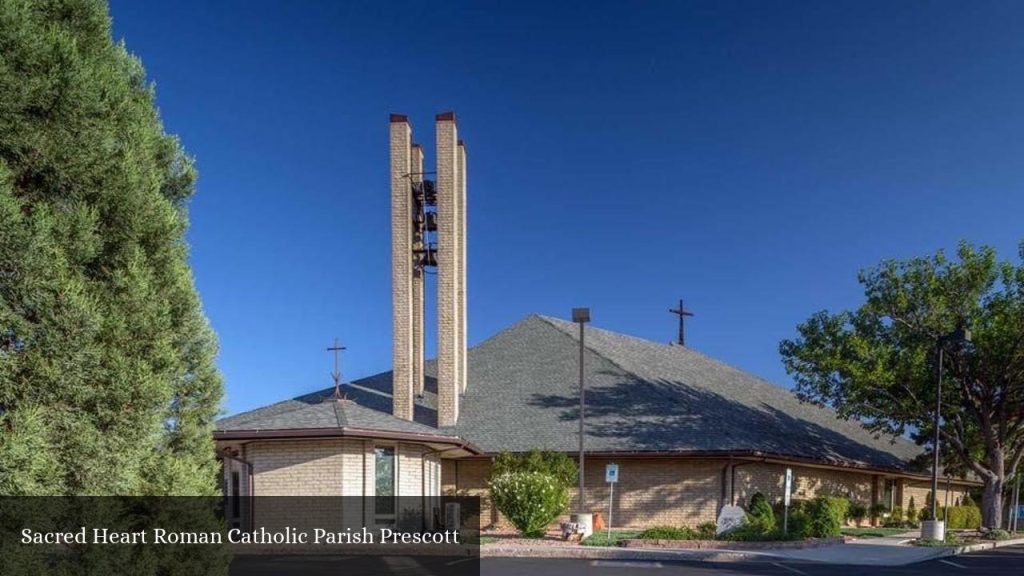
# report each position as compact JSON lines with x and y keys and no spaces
{"x":336,"y":375}
{"x":682,"y":312}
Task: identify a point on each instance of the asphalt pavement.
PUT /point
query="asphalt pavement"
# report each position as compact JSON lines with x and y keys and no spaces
{"x":999,"y":562}
{"x":1007,"y":561}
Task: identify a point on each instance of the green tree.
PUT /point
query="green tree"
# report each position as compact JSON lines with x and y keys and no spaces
{"x":878,"y":363}
{"x":557,"y":464}
{"x":107,"y":376}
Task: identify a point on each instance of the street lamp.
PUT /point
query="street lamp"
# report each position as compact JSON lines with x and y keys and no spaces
{"x":583,"y":520}
{"x":935,"y":529}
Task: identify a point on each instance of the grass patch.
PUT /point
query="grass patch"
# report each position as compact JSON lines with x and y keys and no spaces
{"x":601,"y":538}
{"x":872,"y":532}
{"x":487,"y":540}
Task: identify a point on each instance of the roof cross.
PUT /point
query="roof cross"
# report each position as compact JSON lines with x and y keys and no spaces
{"x":337,"y":348}
{"x":682,"y":312}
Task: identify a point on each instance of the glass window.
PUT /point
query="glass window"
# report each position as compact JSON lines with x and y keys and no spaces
{"x":384,"y":469}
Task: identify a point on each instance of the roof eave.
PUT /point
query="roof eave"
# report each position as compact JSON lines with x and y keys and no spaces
{"x":345,"y":432}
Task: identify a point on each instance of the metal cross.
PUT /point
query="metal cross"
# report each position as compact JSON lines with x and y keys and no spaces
{"x":682,"y":312}
{"x":337,"y":348}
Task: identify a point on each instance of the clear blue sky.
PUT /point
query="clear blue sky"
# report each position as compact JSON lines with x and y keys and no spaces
{"x":749,"y":157}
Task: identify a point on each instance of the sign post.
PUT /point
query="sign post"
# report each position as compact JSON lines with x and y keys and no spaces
{"x":611,"y":476}
{"x":785,"y":501}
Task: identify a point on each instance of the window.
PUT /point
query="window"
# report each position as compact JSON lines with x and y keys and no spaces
{"x":236,"y":496}
{"x":384,"y":484}
{"x":889,"y":494}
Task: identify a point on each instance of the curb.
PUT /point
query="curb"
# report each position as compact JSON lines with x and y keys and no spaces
{"x":614,"y":553}
{"x":957,"y":550}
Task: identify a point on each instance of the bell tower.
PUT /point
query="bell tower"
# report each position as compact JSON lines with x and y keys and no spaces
{"x":428,"y":236}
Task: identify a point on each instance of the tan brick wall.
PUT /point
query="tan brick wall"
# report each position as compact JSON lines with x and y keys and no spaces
{"x":336,"y":467}
{"x":650,"y":492}
{"x":682,"y":491}
{"x":401,"y":267}
{"x":808,"y":483}
{"x":920,"y":490}
{"x":448,"y":260}
{"x":460,"y":236}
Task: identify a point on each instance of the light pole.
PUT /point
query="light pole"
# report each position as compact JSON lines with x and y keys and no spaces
{"x":585,"y":521}
{"x":935,"y":529}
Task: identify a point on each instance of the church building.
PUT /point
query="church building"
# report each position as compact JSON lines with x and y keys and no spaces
{"x":690,"y":434}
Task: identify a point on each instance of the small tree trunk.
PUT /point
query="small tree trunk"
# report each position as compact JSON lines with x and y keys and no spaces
{"x":992,"y":503}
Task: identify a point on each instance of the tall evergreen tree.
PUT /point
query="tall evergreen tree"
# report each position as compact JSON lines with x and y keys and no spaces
{"x":107,"y":376}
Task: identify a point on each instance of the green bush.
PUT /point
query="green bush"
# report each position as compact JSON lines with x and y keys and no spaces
{"x":670,"y":533}
{"x":911,"y":512}
{"x":997,"y":535}
{"x":750,"y":532}
{"x":557,"y":464}
{"x":858,"y":512}
{"x":707,"y":530}
{"x":876,"y":511}
{"x":895,"y":519}
{"x":530,"y":500}
{"x":962,"y":517}
{"x":759,"y":514}
{"x":826,"y":516}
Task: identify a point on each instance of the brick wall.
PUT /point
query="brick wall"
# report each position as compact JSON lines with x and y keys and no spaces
{"x":808,"y":483}
{"x":680,"y":492}
{"x":649,"y":492}
{"x":919,"y":491}
{"x":401,"y":267}
{"x":449,"y":363}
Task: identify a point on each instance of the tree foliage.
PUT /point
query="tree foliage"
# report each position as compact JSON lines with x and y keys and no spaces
{"x":557,"y":464}
{"x":879,"y":363}
{"x":530,"y":500}
{"x":107,"y":376}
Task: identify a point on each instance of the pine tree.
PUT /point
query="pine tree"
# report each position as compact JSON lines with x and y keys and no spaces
{"x":107,"y":376}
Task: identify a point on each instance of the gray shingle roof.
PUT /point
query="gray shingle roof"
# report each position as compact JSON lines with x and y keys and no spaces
{"x":642,"y":396}
{"x":363,"y":409}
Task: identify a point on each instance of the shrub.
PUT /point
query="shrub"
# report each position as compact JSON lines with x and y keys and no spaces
{"x":750,"y":533}
{"x":799,"y":525}
{"x":826,"y":516}
{"x":669,"y":533}
{"x":966,"y":516}
{"x":530,"y":500}
{"x":759,"y":514}
{"x":926,"y":514}
{"x":796,"y":527}
{"x":911,"y":511}
{"x":895,"y":519}
{"x":557,"y":464}
{"x":997,"y":535}
{"x":876,"y":511}
{"x":707,"y":530}
{"x":858,"y":512}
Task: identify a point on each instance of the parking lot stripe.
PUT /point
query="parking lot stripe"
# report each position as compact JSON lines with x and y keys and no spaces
{"x":625,"y":564}
{"x":954,"y":564}
{"x":790,"y":568}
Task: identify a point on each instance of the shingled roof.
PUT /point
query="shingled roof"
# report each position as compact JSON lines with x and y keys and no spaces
{"x":361,"y":413}
{"x":642,"y":397}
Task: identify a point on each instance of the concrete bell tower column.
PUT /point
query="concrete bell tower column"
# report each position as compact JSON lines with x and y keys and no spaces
{"x":449,"y":257}
{"x":401,"y":267}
